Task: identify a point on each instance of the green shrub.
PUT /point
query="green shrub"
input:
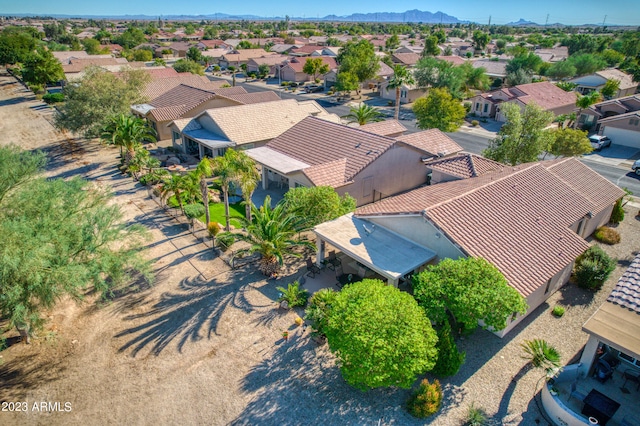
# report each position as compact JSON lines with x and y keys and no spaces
{"x":475,"y":123}
{"x":193,"y":211}
{"x":467,"y":107}
{"x":318,"y":309}
{"x":617,"y":215}
{"x":475,"y":416}
{"x":449,"y":358}
{"x":607,"y":235}
{"x":592,"y":268}
{"x":558,"y":311}
{"x":284,"y":83}
{"x":427,"y":400}
{"x":294,"y":295}
{"x":214,"y":228}
{"x":225,"y":240}
{"x":53,"y":98}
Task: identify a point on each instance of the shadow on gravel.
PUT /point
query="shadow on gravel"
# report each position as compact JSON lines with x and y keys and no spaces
{"x":572,"y":295}
{"x":17,"y":378}
{"x":187,"y":315}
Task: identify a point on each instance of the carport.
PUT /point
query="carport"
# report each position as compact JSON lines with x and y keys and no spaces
{"x":377,"y":248}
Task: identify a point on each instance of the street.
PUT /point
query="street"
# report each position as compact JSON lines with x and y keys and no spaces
{"x":621,"y":175}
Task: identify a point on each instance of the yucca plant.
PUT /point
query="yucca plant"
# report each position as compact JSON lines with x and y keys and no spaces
{"x":541,"y":354}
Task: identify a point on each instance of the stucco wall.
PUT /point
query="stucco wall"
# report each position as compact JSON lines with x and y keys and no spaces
{"x":439,"y":177}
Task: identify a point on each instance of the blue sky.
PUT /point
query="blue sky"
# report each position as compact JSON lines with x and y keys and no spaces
{"x":623,"y":12}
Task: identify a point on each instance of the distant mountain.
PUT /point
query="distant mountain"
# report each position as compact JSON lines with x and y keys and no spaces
{"x":521,"y":23}
{"x":408,"y":16}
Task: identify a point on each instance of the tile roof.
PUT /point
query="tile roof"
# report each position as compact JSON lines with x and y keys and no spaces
{"x":431,"y":141}
{"x":177,"y":101}
{"x":626,"y":293}
{"x":308,"y":49}
{"x":262,"y":121}
{"x":626,"y":81}
{"x":168,"y":113}
{"x":465,"y":165}
{"x":166,"y":72}
{"x":318,"y":142}
{"x":384,"y":127}
{"x":546,"y":95}
{"x":251,"y":98}
{"x":186,"y":124}
{"x":455,"y":60}
{"x":160,"y":86}
{"x":328,"y":174}
{"x":244,"y":55}
{"x":491,"y":67}
{"x":406,"y":58}
{"x":299,"y":64}
{"x":385,"y":70}
{"x":79,"y":64}
{"x":269,"y":60}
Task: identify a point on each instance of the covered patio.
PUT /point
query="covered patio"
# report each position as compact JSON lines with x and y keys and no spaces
{"x":383,"y":252}
{"x":275,"y":166}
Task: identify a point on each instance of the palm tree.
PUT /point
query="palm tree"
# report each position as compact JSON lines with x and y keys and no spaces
{"x":128,"y":132}
{"x":541,"y":354}
{"x":401,"y":77}
{"x":584,"y":102}
{"x":271,"y":233}
{"x":174,"y":184}
{"x":224,"y":169}
{"x":247,"y":177}
{"x":363,"y":114}
{"x":203,"y":171}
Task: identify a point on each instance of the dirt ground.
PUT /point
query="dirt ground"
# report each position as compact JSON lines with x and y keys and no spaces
{"x":203,"y":345}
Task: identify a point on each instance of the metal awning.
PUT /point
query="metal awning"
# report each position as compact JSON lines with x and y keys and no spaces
{"x":276,"y":161}
{"x":616,"y":326}
{"x":383,"y":251}
{"x":208,"y":139}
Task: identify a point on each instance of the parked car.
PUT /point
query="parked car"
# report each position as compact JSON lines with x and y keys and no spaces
{"x":599,"y":141}
{"x":313,"y":88}
{"x":636,"y":167}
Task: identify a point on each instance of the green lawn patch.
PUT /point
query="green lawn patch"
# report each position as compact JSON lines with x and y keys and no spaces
{"x":217,"y":214}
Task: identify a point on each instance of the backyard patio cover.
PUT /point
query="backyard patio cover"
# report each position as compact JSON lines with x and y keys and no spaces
{"x":616,"y":326}
{"x":275,"y":160}
{"x":388,"y":254}
{"x":208,"y":139}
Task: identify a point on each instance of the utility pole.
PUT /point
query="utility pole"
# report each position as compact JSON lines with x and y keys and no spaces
{"x":546,"y":20}
{"x":604,"y":20}
{"x":489,"y":21}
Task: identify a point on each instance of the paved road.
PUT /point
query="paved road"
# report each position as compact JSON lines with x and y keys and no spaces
{"x":620,"y":175}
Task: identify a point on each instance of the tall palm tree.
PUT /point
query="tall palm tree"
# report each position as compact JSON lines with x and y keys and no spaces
{"x":401,"y":77}
{"x":363,"y":114}
{"x":224,"y":169}
{"x":203,"y":171}
{"x":247,"y":177}
{"x":584,"y":102}
{"x":271,"y":233}
{"x":541,"y":354}
{"x":128,"y":132}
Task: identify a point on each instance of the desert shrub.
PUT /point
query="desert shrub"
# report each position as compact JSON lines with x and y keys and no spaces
{"x":475,"y":416}
{"x":225,"y":240}
{"x":214,"y":228}
{"x":592,"y":268}
{"x":617,"y":215}
{"x":558,"y":311}
{"x":449,"y":358}
{"x":193,"y":211}
{"x":475,"y":123}
{"x":293,"y":294}
{"x":427,"y":400}
{"x":53,"y":98}
{"x":318,"y":309}
{"x":284,"y":83}
{"x":607,"y":235}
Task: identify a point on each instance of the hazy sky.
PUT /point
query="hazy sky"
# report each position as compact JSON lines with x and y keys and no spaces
{"x":623,"y":12}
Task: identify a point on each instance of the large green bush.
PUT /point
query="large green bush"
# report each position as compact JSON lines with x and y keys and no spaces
{"x":53,"y":98}
{"x":427,"y":400}
{"x":592,"y":268}
{"x":318,"y":309}
{"x":449,"y":358}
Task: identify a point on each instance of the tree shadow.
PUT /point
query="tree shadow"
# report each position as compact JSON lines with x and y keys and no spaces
{"x":187,"y":315}
{"x":25,"y":373}
{"x":572,"y":295}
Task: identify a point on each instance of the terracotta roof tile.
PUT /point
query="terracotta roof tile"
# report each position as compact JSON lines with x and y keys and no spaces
{"x":406,"y":58}
{"x":243,"y":55}
{"x":626,"y":293}
{"x":546,"y":95}
{"x":162,"y":73}
{"x":157,"y":87}
{"x":384,"y":127}
{"x":431,"y":141}
{"x":299,"y":65}
{"x":252,"y":98}
{"x":315,"y":142}
{"x":168,"y":113}
{"x":465,"y":165}
{"x":328,"y":174}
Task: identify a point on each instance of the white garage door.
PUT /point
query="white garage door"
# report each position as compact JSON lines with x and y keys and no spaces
{"x":622,"y":136}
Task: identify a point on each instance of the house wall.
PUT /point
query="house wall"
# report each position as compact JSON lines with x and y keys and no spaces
{"x":422,"y":232}
{"x":483,"y":107}
{"x":440,"y":177}
{"x":406,"y":96}
{"x":289,"y":74}
{"x":396,"y":170}
{"x":600,"y":219}
{"x":626,"y":92}
{"x":626,"y":123}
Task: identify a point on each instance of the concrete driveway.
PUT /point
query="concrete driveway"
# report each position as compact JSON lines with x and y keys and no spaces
{"x":615,"y":155}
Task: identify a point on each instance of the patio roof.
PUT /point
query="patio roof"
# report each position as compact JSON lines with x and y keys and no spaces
{"x":616,"y":326}
{"x":389,"y":254}
{"x":208,"y":139}
{"x":275,"y":160}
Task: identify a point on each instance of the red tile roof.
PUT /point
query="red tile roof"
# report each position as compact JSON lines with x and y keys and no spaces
{"x":174,"y":103}
{"x":406,"y":58}
{"x":160,"y":86}
{"x":250,"y":98}
{"x":455,"y":60}
{"x":384,"y":127}
{"x":545,"y":94}
{"x":465,"y":165}
{"x":431,"y":141}
{"x":157,"y":73}
{"x":318,"y":142}
{"x":297,"y":66}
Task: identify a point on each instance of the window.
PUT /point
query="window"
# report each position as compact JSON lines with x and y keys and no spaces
{"x":477,"y":106}
{"x":403,"y":93}
{"x":486,"y":107}
{"x":634,"y":121}
{"x":176,"y":136}
{"x":581,"y":226}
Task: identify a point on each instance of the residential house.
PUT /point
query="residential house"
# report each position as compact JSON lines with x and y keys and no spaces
{"x":493,"y":69}
{"x":64,"y":57}
{"x":597,"y":80}
{"x":461,"y":165}
{"x":241,"y":56}
{"x":351,"y":160}
{"x":213,"y":56}
{"x":455,"y":60}
{"x":408,"y":92}
{"x":327,"y":51}
{"x":114,"y":49}
{"x":389,"y":128}
{"x":272,"y":61}
{"x":282,"y":49}
{"x":589,"y":118}
{"x":292,"y":69}
{"x":162,"y":82}
{"x":76,"y":66}
{"x":179,"y":49}
{"x":623,"y":129}
{"x":529,"y":221}
{"x":432,"y":142}
{"x":546,"y":95}
{"x":556,"y":54}
{"x":406,"y":59}
{"x":243,"y":126}
{"x":212,"y":44}
{"x":306,"y":50}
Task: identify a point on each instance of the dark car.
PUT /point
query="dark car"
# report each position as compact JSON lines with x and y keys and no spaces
{"x":313,"y":88}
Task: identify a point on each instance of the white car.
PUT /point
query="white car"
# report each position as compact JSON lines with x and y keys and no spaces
{"x":636,"y":167}
{"x":599,"y":141}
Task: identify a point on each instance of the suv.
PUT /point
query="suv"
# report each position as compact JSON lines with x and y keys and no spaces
{"x":598,"y":142}
{"x":636,"y":167}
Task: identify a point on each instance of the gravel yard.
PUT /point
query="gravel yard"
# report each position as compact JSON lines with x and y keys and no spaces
{"x":204,"y":344}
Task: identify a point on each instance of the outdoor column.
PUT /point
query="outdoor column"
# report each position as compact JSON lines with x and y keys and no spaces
{"x":588,"y":355}
{"x":265,"y":178}
{"x":319,"y":251}
{"x":201,"y":150}
{"x":393,"y":282}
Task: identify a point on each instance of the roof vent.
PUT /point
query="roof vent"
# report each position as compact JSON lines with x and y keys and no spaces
{"x":358,"y":145}
{"x":442,"y":154}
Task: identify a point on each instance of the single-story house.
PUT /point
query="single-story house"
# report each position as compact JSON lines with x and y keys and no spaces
{"x":213,"y":56}
{"x":494,"y":69}
{"x":292,"y":69}
{"x":461,"y":165}
{"x":212,"y":131}
{"x":589,"y":118}
{"x":455,"y":60}
{"x":390,"y":128}
{"x":179,"y":49}
{"x":365,"y":165}
{"x":162,"y":81}
{"x":623,"y":129}
{"x":406,"y":59}
{"x":408,"y":92}
{"x":306,"y":50}
{"x":530,"y":221}
{"x":212,"y":44}
{"x":432,"y":142}
{"x":546,"y":95}
{"x":556,"y":54}
{"x":282,"y":48}
{"x":597,"y":80}
{"x":272,"y":61}
{"x":241,"y":56}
